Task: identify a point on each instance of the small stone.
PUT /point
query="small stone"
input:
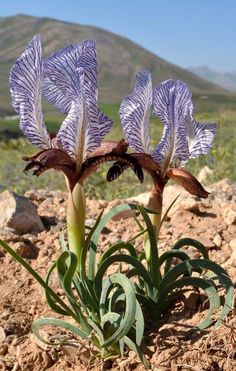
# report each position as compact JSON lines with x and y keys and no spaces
{"x":217,"y":240}
{"x":3,"y":349}
{"x":229,"y":215}
{"x":232,"y":244}
{"x":192,"y":300}
{"x":2,"y":335}
{"x":25,"y":251}
{"x":90,"y":222}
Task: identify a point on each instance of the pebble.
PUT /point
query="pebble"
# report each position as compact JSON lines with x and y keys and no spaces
{"x":229,"y":215}
{"x":24,"y":250}
{"x":2,"y":335}
{"x":217,"y":240}
{"x":3,"y":349}
{"x":232,"y":244}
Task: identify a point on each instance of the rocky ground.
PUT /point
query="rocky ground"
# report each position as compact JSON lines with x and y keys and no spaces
{"x":212,"y":221}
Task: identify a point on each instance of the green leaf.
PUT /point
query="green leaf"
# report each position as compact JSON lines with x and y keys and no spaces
{"x":66,"y":266}
{"x":116,"y":247}
{"x":137,"y":351}
{"x":52,"y":302}
{"x":188,"y":242}
{"x":53,"y":322}
{"x":199,"y":264}
{"x":126,"y":259}
{"x":130,"y":309}
{"x":209,"y":289}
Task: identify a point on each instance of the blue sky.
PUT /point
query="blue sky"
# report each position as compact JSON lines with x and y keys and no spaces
{"x":185,"y":32}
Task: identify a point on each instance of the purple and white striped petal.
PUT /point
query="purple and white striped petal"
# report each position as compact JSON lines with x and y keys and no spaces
{"x":26,"y":89}
{"x":60,"y":78}
{"x":172,"y":101}
{"x":78,"y":133}
{"x":61,"y":82}
{"x":104,"y":123}
{"x":71,"y":85}
{"x":135,"y":112}
{"x":200,"y":137}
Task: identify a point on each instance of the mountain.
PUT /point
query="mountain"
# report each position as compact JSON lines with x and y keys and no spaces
{"x":225,"y":79}
{"x":119,"y":58}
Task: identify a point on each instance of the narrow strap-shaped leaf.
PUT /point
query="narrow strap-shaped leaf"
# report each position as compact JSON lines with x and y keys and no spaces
{"x":188,"y":242}
{"x":130,"y":308}
{"x":39,"y":279}
{"x":51,"y":301}
{"x":53,"y":322}
{"x":97,"y":232}
{"x":139,"y":326}
{"x":196,"y":264}
{"x":191,"y":242}
{"x":137,"y":351}
{"x":168,"y":255}
{"x":209,"y":289}
{"x":142,"y":271}
{"x":116,"y":247}
{"x":66,"y":274}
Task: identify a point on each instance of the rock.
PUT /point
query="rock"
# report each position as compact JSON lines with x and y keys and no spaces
{"x":217,"y":240}
{"x":232,"y":244}
{"x":3,"y":349}
{"x":25,"y":250}
{"x":192,"y":300}
{"x":229,"y":215}
{"x":19,"y":214}
{"x":2,"y":335}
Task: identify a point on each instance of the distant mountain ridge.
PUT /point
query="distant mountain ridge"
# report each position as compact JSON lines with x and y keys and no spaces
{"x":225,"y":79}
{"x":119,"y":58}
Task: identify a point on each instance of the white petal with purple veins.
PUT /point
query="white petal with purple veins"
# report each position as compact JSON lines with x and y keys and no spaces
{"x":79,"y":133}
{"x":200,"y":137}
{"x":26,"y":89}
{"x":104,"y":124}
{"x":172,"y":101}
{"x":60,"y":78}
{"x":135,"y":112}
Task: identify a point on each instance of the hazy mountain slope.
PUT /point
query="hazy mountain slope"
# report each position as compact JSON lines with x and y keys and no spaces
{"x":225,"y":79}
{"x":119,"y":58}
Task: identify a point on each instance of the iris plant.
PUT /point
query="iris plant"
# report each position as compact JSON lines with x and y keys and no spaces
{"x":68,"y":79}
{"x":107,"y":309}
{"x":183,"y":137}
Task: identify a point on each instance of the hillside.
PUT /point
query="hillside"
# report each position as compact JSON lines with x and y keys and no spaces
{"x":119,"y":58}
{"x":225,"y":79}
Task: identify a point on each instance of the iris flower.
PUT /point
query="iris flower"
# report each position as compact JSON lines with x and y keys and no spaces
{"x":183,"y":137}
{"x":68,"y":79}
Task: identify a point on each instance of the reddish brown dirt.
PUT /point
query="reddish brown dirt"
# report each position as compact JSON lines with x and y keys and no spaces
{"x":168,"y":347}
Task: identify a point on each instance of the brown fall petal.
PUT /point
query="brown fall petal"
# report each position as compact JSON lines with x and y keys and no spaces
{"x":111,"y":146}
{"x":188,"y":181}
{"x":52,"y":158}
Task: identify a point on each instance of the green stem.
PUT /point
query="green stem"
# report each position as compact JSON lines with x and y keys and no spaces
{"x":154,"y":204}
{"x":76,"y":209}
